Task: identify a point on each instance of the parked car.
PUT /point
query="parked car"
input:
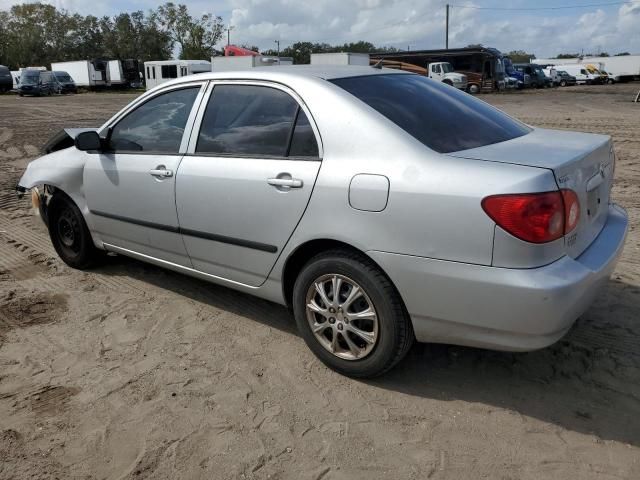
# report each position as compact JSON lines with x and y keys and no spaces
{"x":565,"y":79}
{"x":6,"y":82}
{"x":63,"y":82}
{"x":434,"y":216}
{"x":36,"y":82}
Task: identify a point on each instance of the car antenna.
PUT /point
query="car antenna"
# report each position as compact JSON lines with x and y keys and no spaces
{"x":379,"y":64}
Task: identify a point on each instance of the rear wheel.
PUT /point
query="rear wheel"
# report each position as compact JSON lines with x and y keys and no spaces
{"x":350,"y":315}
{"x":70,"y":235}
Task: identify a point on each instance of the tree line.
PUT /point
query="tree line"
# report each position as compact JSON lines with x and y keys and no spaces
{"x":35,"y":34}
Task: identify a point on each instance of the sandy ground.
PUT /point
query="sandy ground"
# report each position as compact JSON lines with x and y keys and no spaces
{"x":130,"y":371}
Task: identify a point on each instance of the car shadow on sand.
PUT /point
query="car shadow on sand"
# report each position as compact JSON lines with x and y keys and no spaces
{"x":588,"y":382}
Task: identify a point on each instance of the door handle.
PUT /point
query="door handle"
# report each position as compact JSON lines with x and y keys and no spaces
{"x":285,"y":182}
{"x":161,"y":172}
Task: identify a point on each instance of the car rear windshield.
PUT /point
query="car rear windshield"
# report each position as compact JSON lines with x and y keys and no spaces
{"x":438,"y":115}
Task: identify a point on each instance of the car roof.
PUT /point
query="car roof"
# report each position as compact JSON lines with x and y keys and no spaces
{"x":280,"y":72}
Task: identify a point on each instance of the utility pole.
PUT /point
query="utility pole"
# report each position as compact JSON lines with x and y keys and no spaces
{"x":277,"y":42}
{"x":229,"y":34}
{"x":447,"y":34}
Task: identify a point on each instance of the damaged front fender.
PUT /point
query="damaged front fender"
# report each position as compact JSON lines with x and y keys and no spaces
{"x":61,"y":170}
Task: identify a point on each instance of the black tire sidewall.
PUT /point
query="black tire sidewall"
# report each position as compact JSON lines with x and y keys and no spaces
{"x":386,"y":308}
{"x":86,"y":255}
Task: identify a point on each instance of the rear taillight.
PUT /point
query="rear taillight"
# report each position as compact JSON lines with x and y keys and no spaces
{"x":535,"y":217}
{"x":571,"y":210}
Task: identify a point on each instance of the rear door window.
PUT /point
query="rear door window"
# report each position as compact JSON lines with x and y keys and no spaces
{"x":251,"y":120}
{"x":442,"y":118}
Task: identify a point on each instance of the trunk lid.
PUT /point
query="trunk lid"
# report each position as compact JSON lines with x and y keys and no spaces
{"x":581,"y":162}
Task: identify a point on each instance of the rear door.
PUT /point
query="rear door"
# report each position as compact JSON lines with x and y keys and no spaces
{"x":247,"y":179}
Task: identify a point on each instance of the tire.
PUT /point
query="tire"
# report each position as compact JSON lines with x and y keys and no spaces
{"x":563,"y":83}
{"x":70,"y":235}
{"x":474,"y":89}
{"x":387,"y":327}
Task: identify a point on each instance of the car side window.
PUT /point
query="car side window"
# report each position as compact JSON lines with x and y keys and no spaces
{"x":303,"y":140}
{"x":247,"y":120}
{"x":155,"y":126}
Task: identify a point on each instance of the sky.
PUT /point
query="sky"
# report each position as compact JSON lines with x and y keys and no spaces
{"x":591,"y":26}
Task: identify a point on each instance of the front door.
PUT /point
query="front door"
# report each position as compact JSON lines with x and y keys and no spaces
{"x":130,"y":187}
{"x":246,"y":180}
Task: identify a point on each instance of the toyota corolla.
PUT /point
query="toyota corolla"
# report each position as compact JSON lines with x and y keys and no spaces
{"x":380,"y":206}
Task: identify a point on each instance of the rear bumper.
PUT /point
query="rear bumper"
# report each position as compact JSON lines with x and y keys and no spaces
{"x":501,"y":308}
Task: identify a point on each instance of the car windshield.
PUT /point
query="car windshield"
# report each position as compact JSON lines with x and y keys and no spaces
{"x":29,"y":79}
{"x":442,"y":118}
{"x":447,"y":68}
{"x":63,"y":77}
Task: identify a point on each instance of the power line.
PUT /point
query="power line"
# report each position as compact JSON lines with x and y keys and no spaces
{"x":561,"y":7}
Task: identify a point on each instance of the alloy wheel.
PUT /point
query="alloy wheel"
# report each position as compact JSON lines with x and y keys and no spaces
{"x":342,"y":317}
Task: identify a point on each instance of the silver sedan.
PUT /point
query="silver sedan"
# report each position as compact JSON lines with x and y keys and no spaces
{"x":380,"y":206}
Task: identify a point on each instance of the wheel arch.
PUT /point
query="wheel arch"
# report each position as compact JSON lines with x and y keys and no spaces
{"x":299,"y":257}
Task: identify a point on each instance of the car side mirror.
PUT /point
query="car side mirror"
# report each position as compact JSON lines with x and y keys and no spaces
{"x":88,"y":141}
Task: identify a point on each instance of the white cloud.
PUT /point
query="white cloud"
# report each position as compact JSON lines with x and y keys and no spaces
{"x":419,"y":23}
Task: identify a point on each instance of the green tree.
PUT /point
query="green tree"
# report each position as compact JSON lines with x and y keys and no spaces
{"x":135,"y":36}
{"x":568,"y":55}
{"x":520,"y":56}
{"x":622,"y":54}
{"x":196,"y":37}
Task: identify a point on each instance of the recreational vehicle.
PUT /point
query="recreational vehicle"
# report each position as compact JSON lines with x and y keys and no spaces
{"x":157,"y":72}
{"x":483,"y":66}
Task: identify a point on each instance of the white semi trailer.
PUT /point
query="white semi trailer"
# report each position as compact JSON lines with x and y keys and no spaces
{"x":83,"y":72}
{"x":15,"y":77}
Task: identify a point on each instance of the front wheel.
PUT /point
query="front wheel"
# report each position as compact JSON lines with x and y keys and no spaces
{"x":70,"y":235}
{"x":473,"y":88}
{"x":350,"y":315}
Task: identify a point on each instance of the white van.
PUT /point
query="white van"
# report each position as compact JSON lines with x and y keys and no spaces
{"x":580,"y":71}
